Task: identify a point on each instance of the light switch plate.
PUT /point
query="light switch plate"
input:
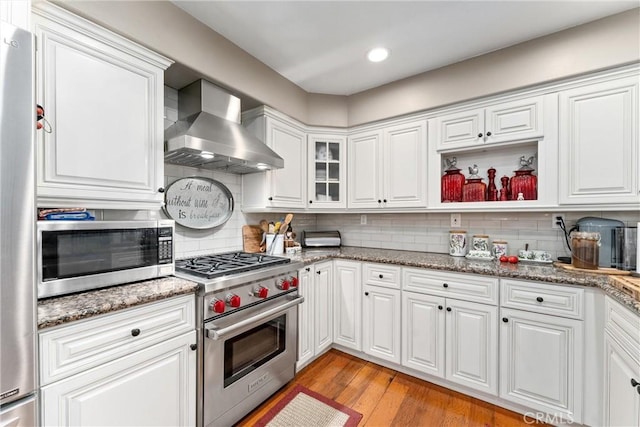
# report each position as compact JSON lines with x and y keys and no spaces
{"x":456,"y":219}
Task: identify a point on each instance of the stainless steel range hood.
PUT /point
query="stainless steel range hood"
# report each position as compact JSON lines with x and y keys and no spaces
{"x":208,"y":134}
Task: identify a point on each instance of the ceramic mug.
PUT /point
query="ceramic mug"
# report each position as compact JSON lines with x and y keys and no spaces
{"x":457,"y":243}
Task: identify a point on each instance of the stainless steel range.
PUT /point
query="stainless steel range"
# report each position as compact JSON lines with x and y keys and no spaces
{"x":247,"y":312}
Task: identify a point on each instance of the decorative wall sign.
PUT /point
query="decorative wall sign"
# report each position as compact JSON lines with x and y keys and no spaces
{"x":198,"y":202}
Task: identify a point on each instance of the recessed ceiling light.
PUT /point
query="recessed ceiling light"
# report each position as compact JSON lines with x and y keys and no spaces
{"x":206,"y":155}
{"x":378,"y":54}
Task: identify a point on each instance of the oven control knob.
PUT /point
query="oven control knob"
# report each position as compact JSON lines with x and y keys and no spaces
{"x":283,"y":285}
{"x":233,"y":300}
{"x":217,"y":306}
{"x":294,"y":281}
{"x":261,"y":292}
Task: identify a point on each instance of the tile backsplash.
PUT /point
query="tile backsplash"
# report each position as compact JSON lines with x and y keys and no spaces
{"x":409,"y":231}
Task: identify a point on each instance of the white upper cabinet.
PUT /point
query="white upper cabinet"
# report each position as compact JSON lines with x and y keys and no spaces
{"x":279,"y":188}
{"x":599,"y":132}
{"x":510,"y":121}
{"x":387,"y":167}
{"x":327,"y":186}
{"x":103,"y":96}
{"x":16,"y":12}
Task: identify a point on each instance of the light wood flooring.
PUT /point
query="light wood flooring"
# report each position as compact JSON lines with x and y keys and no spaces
{"x":389,"y":398}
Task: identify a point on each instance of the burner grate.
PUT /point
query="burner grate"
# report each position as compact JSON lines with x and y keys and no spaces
{"x":217,"y":265}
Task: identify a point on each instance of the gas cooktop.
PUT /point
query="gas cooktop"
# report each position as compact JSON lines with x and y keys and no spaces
{"x":218,"y":265}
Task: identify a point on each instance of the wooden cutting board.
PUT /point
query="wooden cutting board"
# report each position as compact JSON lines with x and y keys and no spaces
{"x":628,"y":285}
{"x":600,"y":270}
{"x":251,"y":239}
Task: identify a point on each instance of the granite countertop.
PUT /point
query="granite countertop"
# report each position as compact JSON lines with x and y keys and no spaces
{"x":538,"y":272}
{"x":64,"y":309}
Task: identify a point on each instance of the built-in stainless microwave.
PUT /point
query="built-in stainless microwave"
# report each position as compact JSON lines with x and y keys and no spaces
{"x":74,"y":256}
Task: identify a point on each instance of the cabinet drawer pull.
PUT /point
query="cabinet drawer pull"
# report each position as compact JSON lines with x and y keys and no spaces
{"x":380,"y":276}
{"x":505,"y":320}
{"x":448,"y":308}
{"x":539,"y":299}
{"x":307,"y":269}
{"x":135,"y":332}
{"x":634,"y":382}
{"x":445,"y":285}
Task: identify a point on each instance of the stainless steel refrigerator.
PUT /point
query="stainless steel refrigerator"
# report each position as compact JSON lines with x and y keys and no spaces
{"x":18,"y":386}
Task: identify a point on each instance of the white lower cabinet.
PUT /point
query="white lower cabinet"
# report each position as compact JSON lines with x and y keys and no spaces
{"x":541,"y":363}
{"x":381,"y":322}
{"x":451,"y":339}
{"x":122,"y":368}
{"x":472,"y":345}
{"x":315,"y":314}
{"x":347,"y":304}
{"x":621,"y":366}
{"x":152,"y":387}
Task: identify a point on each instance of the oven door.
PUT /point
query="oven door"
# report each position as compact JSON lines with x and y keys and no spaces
{"x":248,"y":355}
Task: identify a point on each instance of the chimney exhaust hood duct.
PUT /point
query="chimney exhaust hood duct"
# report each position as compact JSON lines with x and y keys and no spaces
{"x":208,"y":134}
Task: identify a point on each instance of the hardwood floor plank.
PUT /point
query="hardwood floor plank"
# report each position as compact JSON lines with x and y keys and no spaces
{"x":388,"y":398}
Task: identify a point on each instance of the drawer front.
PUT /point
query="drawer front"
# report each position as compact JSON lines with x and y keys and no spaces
{"x":79,"y":346}
{"x":452,"y":285}
{"x":624,"y":325}
{"x":381,"y":275}
{"x":557,"y":300}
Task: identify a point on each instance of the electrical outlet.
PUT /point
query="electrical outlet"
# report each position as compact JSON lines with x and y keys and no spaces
{"x":456,"y":219}
{"x":554,"y":219}
{"x":363,"y":219}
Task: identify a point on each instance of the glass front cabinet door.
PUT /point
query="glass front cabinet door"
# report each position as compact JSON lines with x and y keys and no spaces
{"x":327,"y":174}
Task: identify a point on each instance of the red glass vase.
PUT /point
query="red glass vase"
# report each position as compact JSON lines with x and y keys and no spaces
{"x":474,"y":190}
{"x":526,"y":183}
{"x":451,"y":185}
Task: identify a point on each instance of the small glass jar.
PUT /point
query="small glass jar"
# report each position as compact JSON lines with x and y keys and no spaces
{"x":585,"y":249}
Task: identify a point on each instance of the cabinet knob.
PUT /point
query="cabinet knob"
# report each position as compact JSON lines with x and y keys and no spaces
{"x":270,"y":198}
{"x":193,"y":346}
{"x":445,"y":285}
{"x":634,"y":382}
{"x":310,"y":201}
{"x":505,"y":320}
{"x":448,"y":308}
{"x":638,"y":389}
{"x":161,"y":190}
{"x":379,"y":201}
{"x":539,"y":299}
{"x":135,"y":332}
{"x":488,"y":133}
{"x":318,"y":272}
{"x":307,"y":269}
{"x":440,"y":307}
{"x":380,"y":276}
{"x":366,"y":294}
{"x":384,"y":200}
{"x":479,"y":135}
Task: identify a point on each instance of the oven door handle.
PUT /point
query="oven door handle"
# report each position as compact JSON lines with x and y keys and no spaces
{"x":217,"y":334}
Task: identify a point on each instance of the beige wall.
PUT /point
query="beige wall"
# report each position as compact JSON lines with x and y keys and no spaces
{"x":170,"y":31}
{"x":610,"y":41}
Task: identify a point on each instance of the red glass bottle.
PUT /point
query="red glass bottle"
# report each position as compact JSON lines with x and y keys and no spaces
{"x":451,"y":184}
{"x":525,"y":182}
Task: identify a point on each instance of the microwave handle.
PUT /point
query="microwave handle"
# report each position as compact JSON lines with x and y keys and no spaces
{"x":216,"y":334}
